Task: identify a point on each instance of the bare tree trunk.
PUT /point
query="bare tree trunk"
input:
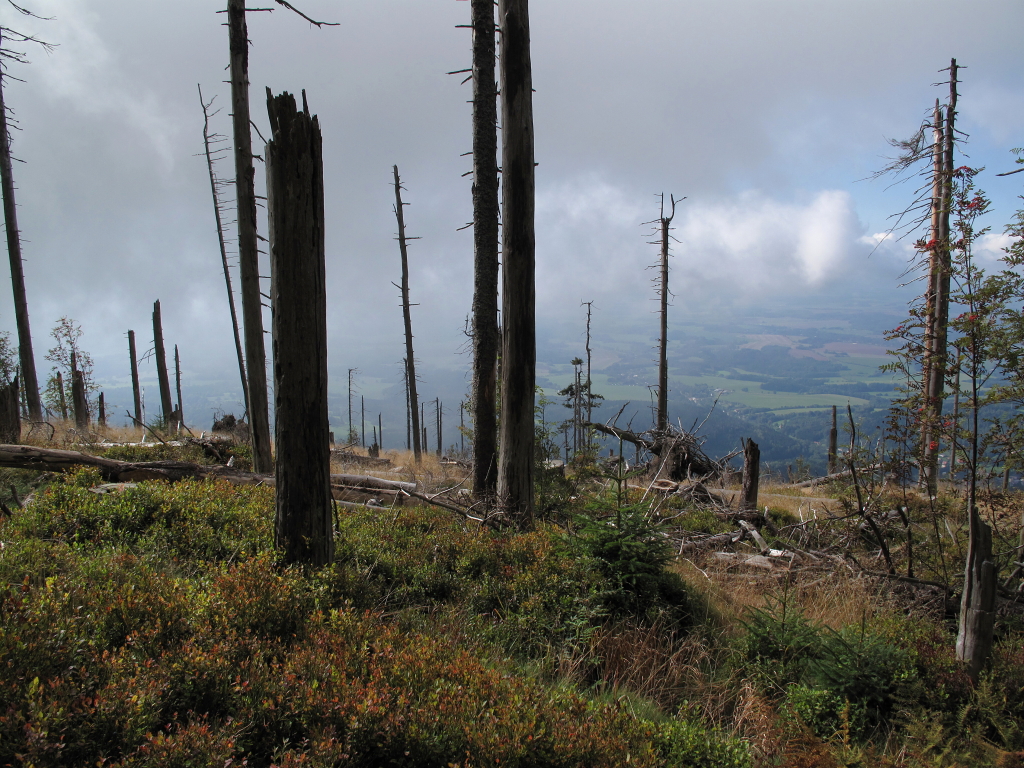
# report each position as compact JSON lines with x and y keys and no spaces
{"x":26,"y":358}
{"x":223,"y":251}
{"x":486,"y":336}
{"x":519,"y":342}
{"x":63,"y":399}
{"x":352,"y":434}
{"x":833,"y":444}
{"x":410,"y":358}
{"x":437,"y":407}
{"x":78,"y":400}
{"x":751,"y":474}
{"x":362,"y":421}
{"x":136,"y":390}
{"x":295,"y":201}
{"x":956,"y":426}
{"x":664,"y":222}
{"x":248,"y":253}
{"x":102,"y":415}
{"x":10,"y":418}
{"x":161,"y":365}
{"x":938,"y":348}
{"x":589,"y":400}
{"x":177,"y":385}
{"x":928,"y":456}
{"x":408,"y":407}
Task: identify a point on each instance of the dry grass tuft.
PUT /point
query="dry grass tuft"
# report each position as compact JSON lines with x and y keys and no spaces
{"x":651,"y":661}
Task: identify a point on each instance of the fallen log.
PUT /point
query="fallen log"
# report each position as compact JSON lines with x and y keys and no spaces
{"x":116,"y":471}
{"x":834,"y":476}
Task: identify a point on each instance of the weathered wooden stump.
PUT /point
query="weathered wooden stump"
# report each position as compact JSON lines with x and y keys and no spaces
{"x":10,"y":418}
{"x":751,"y":474}
{"x":295,"y":203}
{"x":977,"y":606}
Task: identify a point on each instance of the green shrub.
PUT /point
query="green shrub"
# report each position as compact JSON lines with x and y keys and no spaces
{"x":685,"y":744}
{"x":632,"y":551}
{"x":849,"y":680}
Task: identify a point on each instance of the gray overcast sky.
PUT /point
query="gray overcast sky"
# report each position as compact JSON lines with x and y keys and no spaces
{"x":763,"y":113}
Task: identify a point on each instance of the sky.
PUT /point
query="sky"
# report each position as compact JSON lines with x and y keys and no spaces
{"x":768,"y":116}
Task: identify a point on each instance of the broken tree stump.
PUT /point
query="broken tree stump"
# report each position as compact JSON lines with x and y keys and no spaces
{"x":10,"y":418}
{"x":136,"y":389}
{"x":295,"y":204}
{"x":161,"y":366}
{"x":79,"y":404}
{"x":977,"y":606}
{"x":751,"y":474}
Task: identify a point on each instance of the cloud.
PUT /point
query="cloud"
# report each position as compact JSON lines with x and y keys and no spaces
{"x":85,"y":71}
{"x":591,"y":245}
{"x":754,"y":242}
{"x":991,"y":248}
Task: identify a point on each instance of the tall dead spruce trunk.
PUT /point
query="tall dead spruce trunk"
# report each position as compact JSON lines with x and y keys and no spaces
{"x":223,"y":249}
{"x":664,"y":224}
{"x":833,"y":448}
{"x":939,"y":280}
{"x":486,"y":336}
{"x":136,"y":391}
{"x":177,"y":386}
{"x":410,"y":358}
{"x":26,"y":358}
{"x":519,"y":337}
{"x":295,"y":201}
{"x":248,"y":254}
{"x":161,"y":366}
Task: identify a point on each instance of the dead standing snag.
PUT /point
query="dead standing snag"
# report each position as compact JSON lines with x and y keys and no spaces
{"x":295,"y":202}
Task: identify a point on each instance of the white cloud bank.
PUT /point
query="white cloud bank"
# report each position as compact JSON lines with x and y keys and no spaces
{"x":591,"y":245}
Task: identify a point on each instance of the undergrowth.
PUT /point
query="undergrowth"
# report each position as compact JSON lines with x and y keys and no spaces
{"x":155,"y":626}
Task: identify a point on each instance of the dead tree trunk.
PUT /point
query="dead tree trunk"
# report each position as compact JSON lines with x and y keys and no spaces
{"x":519,"y":342}
{"x":589,"y":395}
{"x":408,"y":407}
{"x":177,"y":385}
{"x":410,"y":358}
{"x":223,"y":249}
{"x":26,"y":358}
{"x":437,"y":408}
{"x":79,"y":403}
{"x":927,"y":463}
{"x":295,"y":202}
{"x":486,"y":336}
{"x":101,"y":416}
{"x":664,"y":223}
{"x":62,"y":397}
{"x":161,"y":365}
{"x":977,"y":606}
{"x":248,"y":254}
{"x":136,"y":391}
{"x":10,"y":418}
{"x":751,"y":474}
{"x":833,"y":444}
{"x":941,"y":272}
